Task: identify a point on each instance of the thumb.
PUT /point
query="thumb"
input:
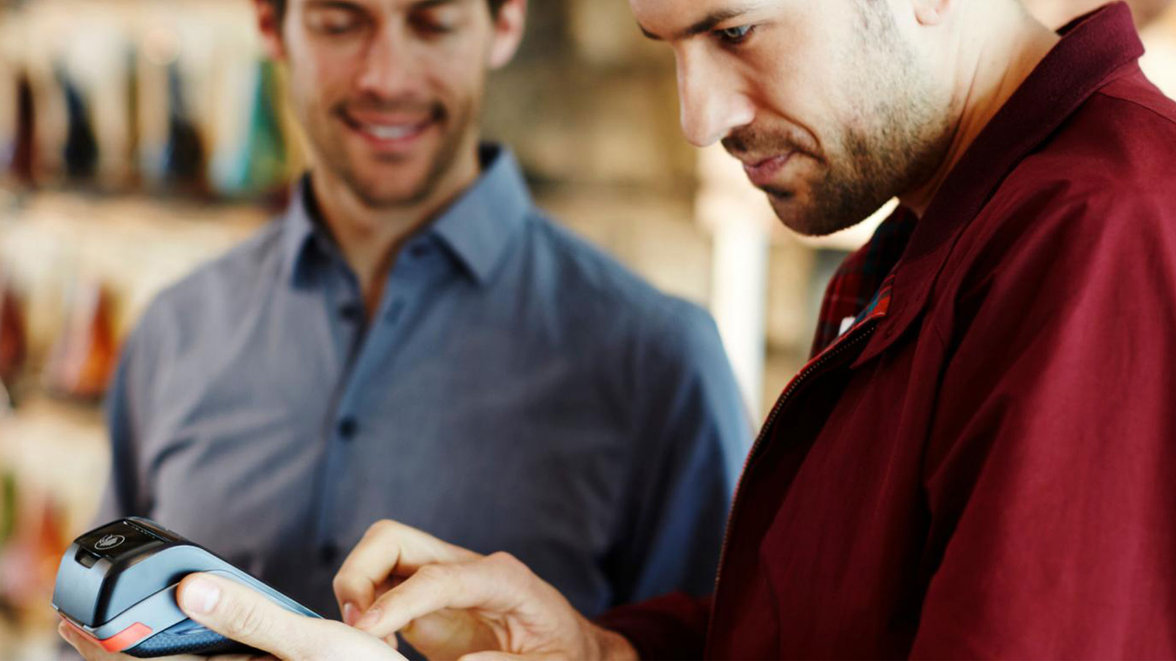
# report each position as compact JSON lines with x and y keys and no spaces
{"x":243,"y":614}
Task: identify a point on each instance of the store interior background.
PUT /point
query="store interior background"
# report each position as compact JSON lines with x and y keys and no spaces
{"x":140,"y":138}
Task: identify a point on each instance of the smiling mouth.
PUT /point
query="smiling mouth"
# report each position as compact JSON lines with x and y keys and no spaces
{"x":389,"y":133}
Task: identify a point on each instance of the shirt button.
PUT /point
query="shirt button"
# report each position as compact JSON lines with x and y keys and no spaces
{"x":348,"y":427}
{"x":419,"y":250}
{"x":351,"y":312}
{"x":328,"y":554}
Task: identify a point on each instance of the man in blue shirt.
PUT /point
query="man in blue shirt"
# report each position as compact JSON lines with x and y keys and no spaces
{"x":413,"y":340}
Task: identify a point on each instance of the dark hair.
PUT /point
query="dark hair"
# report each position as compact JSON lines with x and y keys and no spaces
{"x":280,"y":6}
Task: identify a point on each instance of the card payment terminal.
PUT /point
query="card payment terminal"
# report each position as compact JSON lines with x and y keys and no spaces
{"x":117,"y":586}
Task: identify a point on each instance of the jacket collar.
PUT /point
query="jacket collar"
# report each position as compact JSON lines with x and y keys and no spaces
{"x":1092,"y":49}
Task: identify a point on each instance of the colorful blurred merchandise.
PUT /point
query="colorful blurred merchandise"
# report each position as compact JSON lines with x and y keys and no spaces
{"x":171,"y":103}
{"x":20,"y":159}
{"x":13,"y":343}
{"x":85,"y":354}
{"x":80,"y":153}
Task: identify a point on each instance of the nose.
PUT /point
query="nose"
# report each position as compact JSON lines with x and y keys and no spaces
{"x":386,"y":69}
{"x":710,"y":100}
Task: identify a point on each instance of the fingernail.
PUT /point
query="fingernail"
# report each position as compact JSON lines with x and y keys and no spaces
{"x":200,"y":596}
{"x":369,"y":618}
{"x":350,"y":614}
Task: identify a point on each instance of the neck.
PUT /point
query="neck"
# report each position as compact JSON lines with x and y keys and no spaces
{"x":989,"y":67}
{"x":370,"y":238}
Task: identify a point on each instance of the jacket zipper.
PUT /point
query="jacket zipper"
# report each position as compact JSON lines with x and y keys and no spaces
{"x":856,"y":335}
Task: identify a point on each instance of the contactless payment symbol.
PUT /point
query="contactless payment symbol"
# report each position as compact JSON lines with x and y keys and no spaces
{"x":109,"y":542}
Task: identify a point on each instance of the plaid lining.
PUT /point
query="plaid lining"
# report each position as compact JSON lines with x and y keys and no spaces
{"x":861,"y":285}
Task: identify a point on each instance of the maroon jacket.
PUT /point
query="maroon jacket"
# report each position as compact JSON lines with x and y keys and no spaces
{"x":986,"y":465}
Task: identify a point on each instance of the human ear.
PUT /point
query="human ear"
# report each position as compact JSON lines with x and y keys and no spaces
{"x":931,"y":12}
{"x":509,"y":26}
{"x":269,"y":25}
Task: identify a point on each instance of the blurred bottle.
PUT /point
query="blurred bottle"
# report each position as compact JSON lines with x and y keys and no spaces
{"x":131,"y":93}
{"x":80,"y":153}
{"x":7,"y":506}
{"x":13,"y":342}
{"x":8,"y":510}
{"x":21,"y":159}
{"x":183,"y":154}
{"x":85,"y":353}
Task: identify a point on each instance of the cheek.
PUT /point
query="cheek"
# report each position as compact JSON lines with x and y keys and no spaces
{"x":811,"y":94}
{"x":454,"y":71}
{"x":785,"y":69}
{"x":321,"y":80}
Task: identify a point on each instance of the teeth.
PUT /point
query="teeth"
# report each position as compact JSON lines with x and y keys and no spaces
{"x":389,"y":132}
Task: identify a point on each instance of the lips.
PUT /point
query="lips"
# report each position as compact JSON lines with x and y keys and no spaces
{"x":762,"y":172}
{"x":388,"y":132}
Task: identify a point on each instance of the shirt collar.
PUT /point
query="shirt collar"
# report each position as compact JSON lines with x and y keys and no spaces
{"x":857,"y":282}
{"x":476,"y":229}
{"x":479,"y":227}
{"x":302,"y":234}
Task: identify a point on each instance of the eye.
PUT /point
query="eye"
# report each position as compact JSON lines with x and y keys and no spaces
{"x":334,"y":21}
{"x":736,"y":35}
{"x":437,"y":21}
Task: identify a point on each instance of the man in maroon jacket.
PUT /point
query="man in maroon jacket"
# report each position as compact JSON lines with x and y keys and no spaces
{"x":981,"y":465}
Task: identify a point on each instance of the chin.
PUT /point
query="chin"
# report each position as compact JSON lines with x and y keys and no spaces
{"x":794,"y":215}
{"x":808,"y":219}
{"x":382,"y":198}
{"x":381,"y":187}
{"x":809,"y":229}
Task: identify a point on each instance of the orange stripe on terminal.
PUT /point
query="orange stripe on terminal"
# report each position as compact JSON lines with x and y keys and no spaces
{"x":120,"y":641}
{"x":126,"y":638}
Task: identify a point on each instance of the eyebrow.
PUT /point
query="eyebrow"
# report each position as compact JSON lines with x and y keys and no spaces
{"x":428,"y":4}
{"x":346,"y":4}
{"x":330,"y":4}
{"x":707,"y":24}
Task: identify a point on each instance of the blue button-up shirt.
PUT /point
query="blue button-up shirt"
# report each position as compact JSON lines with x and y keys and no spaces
{"x":516,"y":390}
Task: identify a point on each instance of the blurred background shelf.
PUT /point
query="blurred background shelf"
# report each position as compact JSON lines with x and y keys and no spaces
{"x":135,"y":244}
{"x":60,"y":447}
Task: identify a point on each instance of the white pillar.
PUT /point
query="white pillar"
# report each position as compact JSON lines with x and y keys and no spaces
{"x":739,"y":220}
